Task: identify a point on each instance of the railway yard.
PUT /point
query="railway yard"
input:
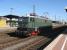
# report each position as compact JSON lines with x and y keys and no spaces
{"x":39,"y":28}
{"x":39,"y":42}
{"x":14,"y":43}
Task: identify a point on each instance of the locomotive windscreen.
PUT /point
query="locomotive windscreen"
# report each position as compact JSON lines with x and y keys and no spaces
{"x":23,"y":22}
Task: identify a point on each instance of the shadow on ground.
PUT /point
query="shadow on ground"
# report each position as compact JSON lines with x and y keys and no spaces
{"x":52,"y":35}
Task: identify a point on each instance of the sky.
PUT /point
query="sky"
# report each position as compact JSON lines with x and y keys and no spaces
{"x":54,"y":9}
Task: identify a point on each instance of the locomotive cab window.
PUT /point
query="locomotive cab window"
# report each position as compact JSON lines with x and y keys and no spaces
{"x":32,"y":19}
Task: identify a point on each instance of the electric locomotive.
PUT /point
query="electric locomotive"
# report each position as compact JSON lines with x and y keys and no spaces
{"x":33,"y":25}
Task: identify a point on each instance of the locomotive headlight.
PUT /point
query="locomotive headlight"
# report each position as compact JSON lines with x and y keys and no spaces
{"x":65,"y":8}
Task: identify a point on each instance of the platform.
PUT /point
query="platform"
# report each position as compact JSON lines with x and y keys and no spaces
{"x":7,"y":29}
{"x":60,"y":43}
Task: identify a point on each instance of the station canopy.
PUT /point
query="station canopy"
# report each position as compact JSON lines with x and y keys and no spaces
{"x":11,"y":16}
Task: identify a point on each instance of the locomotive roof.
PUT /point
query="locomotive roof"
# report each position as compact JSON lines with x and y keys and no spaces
{"x":41,"y":17}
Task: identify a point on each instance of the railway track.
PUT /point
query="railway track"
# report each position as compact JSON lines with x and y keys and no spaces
{"x":9,"y":41}
{"x":36,"y":44}
{"x":14,"y":43}
{"x":23,"y":43}
{"x":6,"y":42}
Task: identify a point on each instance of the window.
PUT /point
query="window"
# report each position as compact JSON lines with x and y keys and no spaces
{"x":32,"y":19}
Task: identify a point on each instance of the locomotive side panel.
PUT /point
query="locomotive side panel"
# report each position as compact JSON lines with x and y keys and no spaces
{"x":31,"y":24}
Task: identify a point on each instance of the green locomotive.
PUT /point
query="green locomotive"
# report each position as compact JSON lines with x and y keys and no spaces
{"x":30,"y":24}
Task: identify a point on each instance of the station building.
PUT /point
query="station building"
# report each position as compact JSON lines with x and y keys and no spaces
{"x":9,"y":21}
{"x":12,"y":20}
{"x":3,"y":22}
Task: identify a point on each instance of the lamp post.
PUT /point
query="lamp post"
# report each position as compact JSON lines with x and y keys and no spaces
{"x":65,"y":8}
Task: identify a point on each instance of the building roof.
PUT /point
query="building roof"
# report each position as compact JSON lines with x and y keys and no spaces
{"x":11,"y":16}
